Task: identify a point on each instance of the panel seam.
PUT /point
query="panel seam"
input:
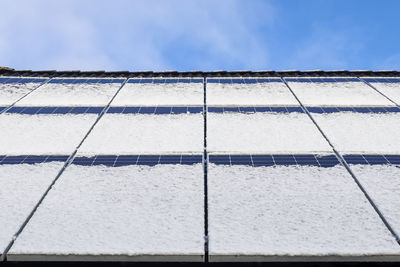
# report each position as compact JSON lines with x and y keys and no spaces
{"x":347,"y":167}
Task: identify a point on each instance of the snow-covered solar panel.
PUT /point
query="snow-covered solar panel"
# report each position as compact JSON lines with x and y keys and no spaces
{"x":155,"y":110}
{"x":381,"y":180}
{"x":286,"y":213}
{"x":336,"y":92}
{"x":353,"y":109}
{"x":21,"y":187}
{"x":361,"y":132}
{"x":42,"y":134}
{"x":12,"y":89}
{"x":263,"y":132}
{"x":248,"y":92}
{"x":73,"y":92}
{"x":161,"y":92}
{"x":146,"y":134}
{"x":127,"y":213}
{"x":390,"y":87}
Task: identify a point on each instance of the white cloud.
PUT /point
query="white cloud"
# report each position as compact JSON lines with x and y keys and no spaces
{"x":133,"y":35}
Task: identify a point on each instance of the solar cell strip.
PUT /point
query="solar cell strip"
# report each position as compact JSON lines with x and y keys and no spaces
{"x":242,"y":80}
{"x":382,"y":80}
{"x":86,"y":81}
{"x":155,"y":110}
{"x":276,"y":109}
{"x":376,"y":110}
{"x":54,"y":110}
{"x":322,"y":80}
{"x":275,"y":160}
{"x":164,"y":80}
{"x":5,"y":80}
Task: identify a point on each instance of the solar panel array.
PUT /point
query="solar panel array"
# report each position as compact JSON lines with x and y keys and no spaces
{"x":199,"y":169}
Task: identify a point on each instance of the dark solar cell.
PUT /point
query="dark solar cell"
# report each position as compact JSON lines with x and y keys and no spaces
{"x":94,"y":110}
{"x":124,"y":160}
{"x":215,"y":109}
{"x":170,"y":159}
{"x":231,"y":109}
{"x":375,"y":159}
{"x":237,"y":81}
{"x":131,"y":110}
{"x":159,"y":81}
{"x":327,"y":161}
{"x":212,"y":80}
{"x":279,"y":109}
{"x":393,"y":159}
{"x":84,"y":161}
{"x":355,"y":159}
{"x":225,"y":80}
{"x":79,"y":110}
{"x":2,"y":108}
{"x":163,"y":110}
{"x":117,"y":110}
{"x":262,"y":160}
{"x":315,"y":110}
{"x":147,"y":110}
{"x":263,"y":109}
{"x":16,"y":110}
{"x":195,"y":109}
{"x":146,"y":80}
{"x":47,"y":110}
{"x":306,"y":160}
{"x":191,"y":159}
{"x":241,"y":160}
{"x":149,"y":160}
{"x":57,"y":158}
{"x":179,"y":110}
{"x":295,"y":109}
{"x":220,"y":159}
{"x":62,"y":110}
{"x":247,"y":109}
{"x":30,"y":110}
{"x":284,"y":160}
{"x":107,"y":160}
{"x":134,"y":80}
{"x":171,"y":80}
{"x":35,"y":159}
{"x":362,"y":110}
{"x":330,"y":109}
{"x":197,"y":80}
{"x":13,"y":159}
{"x":351,"y":109}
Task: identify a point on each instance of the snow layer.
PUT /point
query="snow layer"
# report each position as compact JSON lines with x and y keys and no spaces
{"x":263,"y":132}
{"x":21,"y":187}
{"x":65,"y":94}
{"x":169,"y":94}
{"x":269,"y":93}
{"x":337,"y":94}
{"x":11,"y":92}
{"x":294,"y":210}
{"x":383,"y":185}
{"x":147,"y":134}
{"x":130,"y":210}
{"x":362,"y":132}
{"x":42,"y":134}
{"x":391,"y":90}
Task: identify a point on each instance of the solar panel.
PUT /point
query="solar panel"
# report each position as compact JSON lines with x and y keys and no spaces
{"x":31,"y":159}
{"x":86,"y":80}
{"x":390,"y":87}
{"x":8,"y":80}
{"x":165,"y":80}
{"x":265,"y":160}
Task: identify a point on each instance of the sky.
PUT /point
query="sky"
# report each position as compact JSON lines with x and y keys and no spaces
{"x":206,"y":35}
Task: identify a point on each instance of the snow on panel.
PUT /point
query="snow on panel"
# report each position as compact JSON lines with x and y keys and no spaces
{"x":11,"y":92}
{"x":21,"y":187}
{"x":42,"y":134}
{"x":391,"y":90}
{"x":337,"y":94}
{"x":147,"y":134}
{"x":70,"y":94}
{"x":362,"y":132}
{"x":383,"y":185}
{"x":130,"y":210}
{"x":263,"y":132}
{"x":292,"y":210}
{"x":154,"y":94}
{"x":256,"y":94}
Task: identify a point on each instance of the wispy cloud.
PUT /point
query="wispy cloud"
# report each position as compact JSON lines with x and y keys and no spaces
{"x":134,"y":34}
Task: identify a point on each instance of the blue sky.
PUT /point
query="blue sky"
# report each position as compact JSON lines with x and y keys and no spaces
{"x":200,"y":35}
